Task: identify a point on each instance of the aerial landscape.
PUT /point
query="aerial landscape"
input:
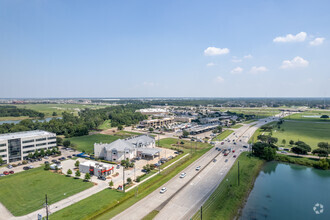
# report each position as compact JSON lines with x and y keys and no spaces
{"x":164,"y":110}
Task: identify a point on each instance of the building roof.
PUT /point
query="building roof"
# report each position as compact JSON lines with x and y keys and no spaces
{"x":26,"y":134}
{"x":142,"y":139}
{"x":94,"y":164}
{"x":149,"y":151}
{"x":119,"y":145}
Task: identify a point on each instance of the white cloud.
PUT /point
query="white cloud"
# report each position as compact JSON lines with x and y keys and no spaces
{"x":249,"y":56}
{"x":300,"y":37}
{"x":210,"y":64}
{"x":295,"y":62}
{"x":236,"y":70}
{"x":219,"y":79}
{"x":259,"y":69}
{"x":317,"y":41}
{"x":214,"y":51}
{"x":235,"y":60}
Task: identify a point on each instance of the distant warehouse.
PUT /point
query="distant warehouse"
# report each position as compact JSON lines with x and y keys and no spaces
{"x":17,"y":146}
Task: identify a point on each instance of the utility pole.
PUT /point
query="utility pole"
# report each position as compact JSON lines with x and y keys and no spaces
{"x":123,"y":179}
{"x":238,"y":172}
{"x":158,"y":140}
{"x":46,"y":207}
{"x":134,"y":172}
{"x":201,"y":212}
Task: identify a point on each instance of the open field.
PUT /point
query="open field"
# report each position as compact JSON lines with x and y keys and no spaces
{"x":48,"y":109}
{"x":108,"y":203}
{"x":229,"y":197}
{"x":24,"y":192}
{"x":13,"y":118}
{"x":105,"y":125}
{"x":307,"y":131}
{"x":309,"y":116}
{"x":86,"y":143}
{"x":223,"y":135}
{"x":259,"y":112}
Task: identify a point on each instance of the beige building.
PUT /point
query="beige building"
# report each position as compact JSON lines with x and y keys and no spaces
{"x":156,"y":122}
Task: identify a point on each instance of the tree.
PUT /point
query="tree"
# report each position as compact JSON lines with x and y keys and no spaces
{"x":291,"y":142}
{"x":269,"y":153}
{"x":1,"y":161}
{"x":321,"y":152}
{"x":323,"y":145}
{"x":53,"y":151}
{"x":111,"y":184}
{"x":42,"y":152}
{"x":48,"y":152}
{"x":59,"y":141}
{"x":324,"y":116}
{"x":56,"y":168}
{"x":47,"y":166}
{"x":283,"y":141}
{"x":30,"y":155}
{"x":323,"y":164}
{"x":87,"y":177}
{"x":76,"y":164}
{"x":299,"y":150}
{"x":69,"y":172}
{"x":129,"y":180}
{"x":54,"y":114}
{"x":36,"y":153}
{"x":77,"y":174}
{"x":66,"y":143}
{"x":120,"y":127}
{"x":151,"y":129}
{"x":185,"y":133}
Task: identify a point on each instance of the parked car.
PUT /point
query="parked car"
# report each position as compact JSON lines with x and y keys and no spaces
{"x":46,"y":157}
{"x":102,"y":178}
{"x":163,"y":190}
{"x":5,"y":172}
{"x":216,"y":148}
{"x":183,"y":175}
{"x":11,"y":172}
{"x":234,"y":156}
{"x":46,"y":162}
{"x":222,"y":143}
{"x":69,"y":156}
{"x":31,"y":167}
{"x":26,"y":168}
{"x":226,"y":160}
{"x":233,"y":151}
{"x":214,"y":160}
{"x":198,"y":168}
{"x":1,"y":174}
{"x":54,"y":161}
{"x":9,"y":166}
{"x":39,"y":159}
{"x":63,"y":158}
{"x":245,"y":146}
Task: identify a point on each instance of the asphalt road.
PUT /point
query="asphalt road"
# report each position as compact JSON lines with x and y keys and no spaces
{"x":185,"y":196}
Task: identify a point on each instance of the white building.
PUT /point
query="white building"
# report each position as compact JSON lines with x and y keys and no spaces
{"x":138,"y":146}
{"x":95,"y":168}
{"x":17,"y":146}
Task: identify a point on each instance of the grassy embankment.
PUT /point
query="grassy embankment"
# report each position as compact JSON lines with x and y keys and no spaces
{"x":223,"y":135}
{"x":236,"y":126}
{"x":108,"y":203}
{"x":309,"y":116}
{"x":24,"y":192}
{"x":259,"y":112}
{"x":86,"y":143}
{"x":230,"y":197}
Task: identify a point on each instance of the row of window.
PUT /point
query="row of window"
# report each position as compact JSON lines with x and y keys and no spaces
{"x":3,"y":150}
{"x":2,"y":145}
{"x":28,"y":141}
{"x":39,"y":139}
{"x":32,"y":151}
{"x":3,"y":155}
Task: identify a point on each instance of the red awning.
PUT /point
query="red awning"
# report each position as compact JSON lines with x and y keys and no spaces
{"x":103,"y":171}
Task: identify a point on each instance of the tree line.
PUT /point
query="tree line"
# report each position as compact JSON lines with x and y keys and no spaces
{"x":88,"y":119}
{"x":13,"y":111}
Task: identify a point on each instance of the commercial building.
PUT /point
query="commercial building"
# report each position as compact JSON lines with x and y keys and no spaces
{"x":156,"y":122}
{"x":17,"y":146}
{"x":95,"y":168}
{"x":153,"y":111}
{"x":139,"y":146}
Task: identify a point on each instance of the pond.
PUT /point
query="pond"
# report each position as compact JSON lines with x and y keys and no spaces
{"x":288,"y":191}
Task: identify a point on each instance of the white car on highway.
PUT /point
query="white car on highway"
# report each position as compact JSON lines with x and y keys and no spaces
{"x":163,"y":190}
{"x":183,"y":175}
{"x":198,"y":168}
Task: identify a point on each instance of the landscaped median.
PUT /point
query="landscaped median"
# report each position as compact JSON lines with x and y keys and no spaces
{"x":24,"y":192}
{"x":229,"y":197}
{"x":223,"y":135}
{"x":108,"y":203}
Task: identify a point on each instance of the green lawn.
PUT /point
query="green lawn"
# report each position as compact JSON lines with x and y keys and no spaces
{"x":309,"y":116}
{"x":105,"y":125}
{"x":86,"y":142}
{"x":108,"y":203}
{"x":24,"y":192}
{"x":13,"y":118}
{"x":259,"y":112}
{"x":223,"y":135}
{"x":151,"y":215}
{"x":307,"y":131}
{"x":229,"y":197}
{"x":236,"y":126}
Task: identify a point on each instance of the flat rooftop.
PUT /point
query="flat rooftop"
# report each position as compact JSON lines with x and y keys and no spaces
{"x":25,"y":134}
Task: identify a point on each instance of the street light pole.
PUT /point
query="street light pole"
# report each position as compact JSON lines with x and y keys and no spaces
{"x":123,"y":179}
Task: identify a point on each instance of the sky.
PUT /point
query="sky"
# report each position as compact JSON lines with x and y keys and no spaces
{"x":179,"y":48}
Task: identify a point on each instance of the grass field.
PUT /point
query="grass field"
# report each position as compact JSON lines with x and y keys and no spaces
{"x":24,"y":192}
{"x":307,"y":131}
{"x":48,"y":109}
{"x":105,"y":125}
{"x":223,"y":135}
{"x":13,"y":118}
{"x":108,"y":203}
{"x":229,"y":197}
{"x":86,"y":143}
{"x":309,"y":116}
{"x":259,"y":112}
{"x":236,"y":126}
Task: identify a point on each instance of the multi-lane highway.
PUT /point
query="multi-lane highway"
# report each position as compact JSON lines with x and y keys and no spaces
{"x":184,"y":196}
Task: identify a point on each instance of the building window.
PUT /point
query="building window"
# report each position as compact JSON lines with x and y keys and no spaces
{"x":51,"y":138}
{"x":2,"y":145}
{"x":28,"y":141}
{"x":53,"y":142}
{"x":41,"y":139}
{"x":28,"y":146}
{"x":40,"y":144}
{"x":4,"y":150}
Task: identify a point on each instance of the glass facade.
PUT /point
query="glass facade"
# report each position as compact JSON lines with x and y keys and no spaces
{"x":14,"y":150}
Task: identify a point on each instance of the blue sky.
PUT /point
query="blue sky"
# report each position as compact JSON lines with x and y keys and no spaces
{"x":181,"y":48}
